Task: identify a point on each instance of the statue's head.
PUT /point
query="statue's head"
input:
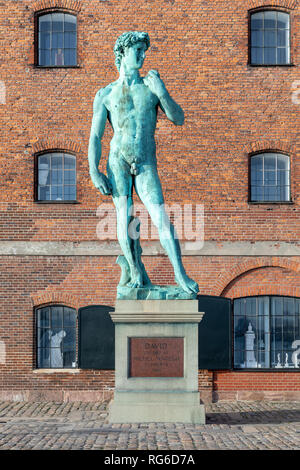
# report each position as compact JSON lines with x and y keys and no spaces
{"x":136,"y":40}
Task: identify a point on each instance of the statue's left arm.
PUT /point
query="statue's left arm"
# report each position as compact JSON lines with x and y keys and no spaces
{"x":172,"y":110}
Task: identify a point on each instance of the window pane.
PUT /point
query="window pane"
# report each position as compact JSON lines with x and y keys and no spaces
{"x":57,"y":162}
{"x":57,"y":57}
{"x":283,"y":162}
{"x":70,"y":23}
{"x":57,"y":22}
{"x":283,"y":37}
{"x":57,"y":40}
{"x":283,"y":20}
{"x":270,"y":178}
{"x":257,"y":20}
{"x":69,"y":359}
{"x":257,"y":38}
{"x":44,"y":335}
{"x":69,"y":162}
{"x":43,"y":317}
{"x":43,"y":358}
{"x":70,"y":193}
{"x":283,"y":56}
{"x":270,"y":55}
{"x":44,"y":40}
{"x":70,"y":177}
{"x":56,"y":317}
{"x":69,"y":341}
{"x":44,"y":57}
{"x":270,"y":38}
{"x":45,"y":23}
{"x":70,"y":57}
{"x":56,"y":193}
{"x":257,"y":55}
{"x":270,"y":161}
{"x":70,"y":40}
{"x":270,"y":19}
{"x":44,"y":193}
{"x":69,"y":317}
{"x":44,"y":175}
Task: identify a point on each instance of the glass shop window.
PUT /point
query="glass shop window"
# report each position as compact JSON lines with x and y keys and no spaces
{"x":57,"y":40}
{"x":56,"y":177}
{"x":270,"y":38}
{"x":267,"y":332}
{"x":270,"y":178}
{"x":56,"y":337}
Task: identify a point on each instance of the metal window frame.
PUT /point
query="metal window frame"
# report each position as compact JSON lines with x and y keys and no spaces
{"x":50,"y":306}
{"x":262,"y":369}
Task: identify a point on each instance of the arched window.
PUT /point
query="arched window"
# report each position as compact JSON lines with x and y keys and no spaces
{"x":270,"y":177}
{"x":267,"y":332}
{"x":269,"y":38}
{"x":56,"y":337}
{"x":57,"y":40}
{"x":56,"y":177}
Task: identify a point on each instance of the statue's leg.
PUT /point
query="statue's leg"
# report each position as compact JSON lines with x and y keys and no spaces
{"x":121,"y":181}
{"x":148,"y":188}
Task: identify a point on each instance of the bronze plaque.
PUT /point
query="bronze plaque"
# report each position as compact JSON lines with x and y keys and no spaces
{"x":156,"y":357}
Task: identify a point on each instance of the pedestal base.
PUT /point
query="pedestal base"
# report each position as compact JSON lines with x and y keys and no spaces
{"x":156,"y":362}
{"x":152,"y":407}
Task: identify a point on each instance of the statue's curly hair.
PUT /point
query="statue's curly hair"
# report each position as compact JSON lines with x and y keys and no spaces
{"x":126,"y":40}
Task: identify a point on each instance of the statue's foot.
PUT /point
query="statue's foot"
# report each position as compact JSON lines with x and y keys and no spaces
{"x":136,"y":279}
{"x":187,"y":284}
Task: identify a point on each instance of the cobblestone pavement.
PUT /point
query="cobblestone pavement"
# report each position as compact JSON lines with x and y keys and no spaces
{"x":70,"y":426}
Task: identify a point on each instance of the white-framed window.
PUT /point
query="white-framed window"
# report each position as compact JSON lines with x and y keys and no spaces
{"x":270,"y":177}
{"x":56,"y":177}
{"x":269,"y":38}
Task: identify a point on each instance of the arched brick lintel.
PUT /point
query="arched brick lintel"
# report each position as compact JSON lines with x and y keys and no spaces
{"x":49,"y":144}
{"x":60,"y":298}
{"x":40,"y":5}
{"x":289,"y":4}
{"x":242,"y":268}
{"x":265,"y":146}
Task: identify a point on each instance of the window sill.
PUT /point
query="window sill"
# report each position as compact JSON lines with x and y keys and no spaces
{"x":287,"y":203}
{"x":55,"y":371}
{"x":57,"y":66}
{"x":57,"y":202}
{"x":271,"y":369}
{"x":271,"y":65}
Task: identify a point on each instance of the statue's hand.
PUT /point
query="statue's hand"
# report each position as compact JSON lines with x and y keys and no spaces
{"x":102,"y":183}
{"x":155,"y":83}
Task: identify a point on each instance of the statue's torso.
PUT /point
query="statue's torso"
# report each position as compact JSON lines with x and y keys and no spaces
{"x":132,"y":113}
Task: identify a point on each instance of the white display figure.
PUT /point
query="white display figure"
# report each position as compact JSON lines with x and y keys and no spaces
{"x":278,"y":365}
{"x":56,"y":354}
{"x":295,"y":359}
{"x":286,"y":360}
{"x":249,"y":347}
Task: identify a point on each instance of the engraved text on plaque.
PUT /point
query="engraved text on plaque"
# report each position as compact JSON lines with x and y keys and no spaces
{"x":156,"y":357}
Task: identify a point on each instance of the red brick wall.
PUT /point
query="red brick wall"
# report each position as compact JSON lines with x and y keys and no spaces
{"x":201,"y":51}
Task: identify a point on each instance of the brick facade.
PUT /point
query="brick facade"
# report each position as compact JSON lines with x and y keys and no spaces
{"x":232,"y":110}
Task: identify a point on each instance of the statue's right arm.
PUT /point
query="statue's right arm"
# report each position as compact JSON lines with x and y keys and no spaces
{"x":94,"y":154}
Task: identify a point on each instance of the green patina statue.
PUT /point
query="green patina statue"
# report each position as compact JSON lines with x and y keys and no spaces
{"x":130,"y":104}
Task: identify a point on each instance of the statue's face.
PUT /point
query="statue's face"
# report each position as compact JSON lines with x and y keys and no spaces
{"x":134,"y":56}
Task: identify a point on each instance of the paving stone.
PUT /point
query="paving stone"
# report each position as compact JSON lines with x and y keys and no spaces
{"x":230,"y":425}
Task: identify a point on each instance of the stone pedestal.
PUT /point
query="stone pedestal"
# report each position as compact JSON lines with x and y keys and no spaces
{"x":156,"y":362}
